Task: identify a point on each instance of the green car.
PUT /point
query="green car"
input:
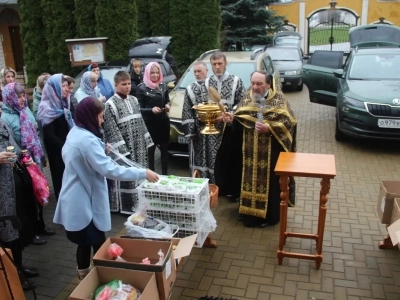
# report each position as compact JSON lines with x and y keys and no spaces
{"x":365,"y":87}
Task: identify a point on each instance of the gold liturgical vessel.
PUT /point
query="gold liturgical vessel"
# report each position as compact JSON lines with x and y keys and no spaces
{"x":210,"y":112}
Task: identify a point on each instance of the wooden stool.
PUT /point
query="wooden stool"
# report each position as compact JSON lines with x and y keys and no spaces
{"x":304,"y":165}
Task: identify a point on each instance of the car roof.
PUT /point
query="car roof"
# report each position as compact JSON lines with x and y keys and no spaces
{"x":154,"y":47}
{"x":377,"y":50}
{"x":235,"y":56}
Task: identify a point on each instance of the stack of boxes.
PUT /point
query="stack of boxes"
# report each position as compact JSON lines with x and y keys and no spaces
{"x":187,"y":209}
{"x":388,"y":208}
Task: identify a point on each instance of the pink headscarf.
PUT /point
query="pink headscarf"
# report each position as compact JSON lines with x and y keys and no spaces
{"x":146,"y":78}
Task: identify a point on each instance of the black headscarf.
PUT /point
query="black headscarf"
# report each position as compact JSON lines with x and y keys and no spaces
{"x":86,"y":113}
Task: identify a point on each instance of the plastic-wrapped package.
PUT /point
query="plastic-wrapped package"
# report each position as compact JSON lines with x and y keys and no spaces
{"x":116,"y":290}
{"x":115,"y":251}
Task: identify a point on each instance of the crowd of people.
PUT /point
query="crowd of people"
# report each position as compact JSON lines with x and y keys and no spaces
{"x":75,"y":135}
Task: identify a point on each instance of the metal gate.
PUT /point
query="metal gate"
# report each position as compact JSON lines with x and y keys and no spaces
{"x":329,"y":30}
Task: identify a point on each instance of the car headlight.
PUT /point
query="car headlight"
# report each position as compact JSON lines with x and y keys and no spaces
{"x":292,"y":72}
{"x":353,"y":102}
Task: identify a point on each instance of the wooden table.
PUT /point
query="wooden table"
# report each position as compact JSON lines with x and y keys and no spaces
{"x":304,"y":165}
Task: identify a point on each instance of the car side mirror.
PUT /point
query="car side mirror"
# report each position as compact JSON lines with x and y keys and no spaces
{"x":338,"y":73}
{"x":306,"y":57}
{"x":171,"y":85}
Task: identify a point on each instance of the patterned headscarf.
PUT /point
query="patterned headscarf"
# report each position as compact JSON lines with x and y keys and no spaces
{"x":29,"y":137}
{"x":53,"y":105}
{"x":86,"y":116}
{"x":86,"y":84}
{"x":146,"y":78}
{"x":3,"y":73}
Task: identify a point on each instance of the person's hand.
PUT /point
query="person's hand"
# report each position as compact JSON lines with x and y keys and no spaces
{"x":5,"y":157}
{"x":227,"y":117}
{"x":108,"y":148}
{"x":167,"y":108}
{"x":261,"y":128}
{"x":102,"y":99}
{"x":218,"y":120}
{"x":151,"y":176}
{"x":156,"y":110}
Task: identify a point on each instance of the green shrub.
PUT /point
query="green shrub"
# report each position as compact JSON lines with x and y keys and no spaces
{"x":159,"y":17}
{"x":33,"y":40}
{"x":117,"y":21}
{"x":143,"y":18}
{"x":85,"y":18}
{"x":58,"y":26}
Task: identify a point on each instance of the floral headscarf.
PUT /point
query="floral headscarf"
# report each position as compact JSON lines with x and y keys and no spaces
{"x":86,"y":84}
{"x":146,"y":78}
{"x":53,"y":105}
{"x":29,"y":137}
{"x":3,"y":73}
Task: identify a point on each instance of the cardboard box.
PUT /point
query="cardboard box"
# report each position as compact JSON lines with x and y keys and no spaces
{"x":389,"y":190}
{"x":396,"y":210}
{"x":134,"y":251}
{"x":394,"y":232}
{"x":144,"y":281}
{"x":13,"y":279}
{"x":183,"y":247}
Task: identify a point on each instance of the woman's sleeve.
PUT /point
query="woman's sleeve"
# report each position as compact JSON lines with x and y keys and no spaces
{"x":50,"y":136}
{"x":103,"y":164}
{"x":144,"y":108}
{"x":166,"y":95}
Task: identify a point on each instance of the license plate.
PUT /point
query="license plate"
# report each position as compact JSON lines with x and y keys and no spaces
{"x":282,"y":79}
{"x":389,"y":123}
{"x":182,"y":140}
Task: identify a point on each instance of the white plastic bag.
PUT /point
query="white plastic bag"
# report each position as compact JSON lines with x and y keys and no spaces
{"x":167,"y":232}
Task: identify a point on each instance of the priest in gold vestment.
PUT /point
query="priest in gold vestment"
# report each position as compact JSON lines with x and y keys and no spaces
{"x":269,"y":127}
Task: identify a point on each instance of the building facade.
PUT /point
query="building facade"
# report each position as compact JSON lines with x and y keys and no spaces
{"x":324,"y":24}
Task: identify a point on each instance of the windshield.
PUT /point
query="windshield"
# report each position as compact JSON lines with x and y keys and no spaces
{"x":242,"y":70}
{"x":284,"y":40}
{"x":375,"y":67}
{"x":283,"y":53}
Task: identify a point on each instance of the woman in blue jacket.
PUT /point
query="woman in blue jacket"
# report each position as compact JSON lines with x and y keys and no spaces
{"x":103,"y":84}
{"x":83,"y":207}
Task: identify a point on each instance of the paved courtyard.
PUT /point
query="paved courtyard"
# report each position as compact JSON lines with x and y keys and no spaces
{"x":244,"y":265}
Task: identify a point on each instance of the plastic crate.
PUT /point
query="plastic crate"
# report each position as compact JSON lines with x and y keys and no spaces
{"x":175,"y":201}
{"x":201,"y":236}
{"x":186,"y":220}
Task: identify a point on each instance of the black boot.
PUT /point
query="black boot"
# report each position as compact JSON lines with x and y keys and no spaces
{"x":26,"y":284}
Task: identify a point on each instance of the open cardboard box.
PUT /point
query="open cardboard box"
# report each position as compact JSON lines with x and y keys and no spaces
{"x":144,"y":281}
{"x":396,"y":210}
{"x":394,"y":232}
{"x":135,"y":249}
{"x":389,"y":190}
{"x":183,"y":247}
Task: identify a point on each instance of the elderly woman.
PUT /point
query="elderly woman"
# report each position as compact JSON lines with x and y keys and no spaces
{"x":54,"y":116}
{"x":12,"y":202}
{"x":37,"y":91}
{"x":154,"y":103}
{"x":88,"y":87}
{"x":7,"y":75}
{"x":83,"y":207}
{"x":104,"y":84}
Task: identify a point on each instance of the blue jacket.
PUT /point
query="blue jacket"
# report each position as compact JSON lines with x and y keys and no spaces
{"x":84,"y":193}
{"x":11,"y":117}
{"x":105,"y":87}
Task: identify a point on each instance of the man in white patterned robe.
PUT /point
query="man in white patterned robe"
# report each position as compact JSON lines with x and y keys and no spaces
{"x":202,"y":147}
{"x":228,"y":159}
{"x":125,"y":130}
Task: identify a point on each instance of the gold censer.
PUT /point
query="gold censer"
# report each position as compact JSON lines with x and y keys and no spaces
{"x":208,"y":113}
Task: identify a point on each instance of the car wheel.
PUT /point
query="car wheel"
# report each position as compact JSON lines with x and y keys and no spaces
{"x":299,"y":87}
{"x":339,"y":136}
